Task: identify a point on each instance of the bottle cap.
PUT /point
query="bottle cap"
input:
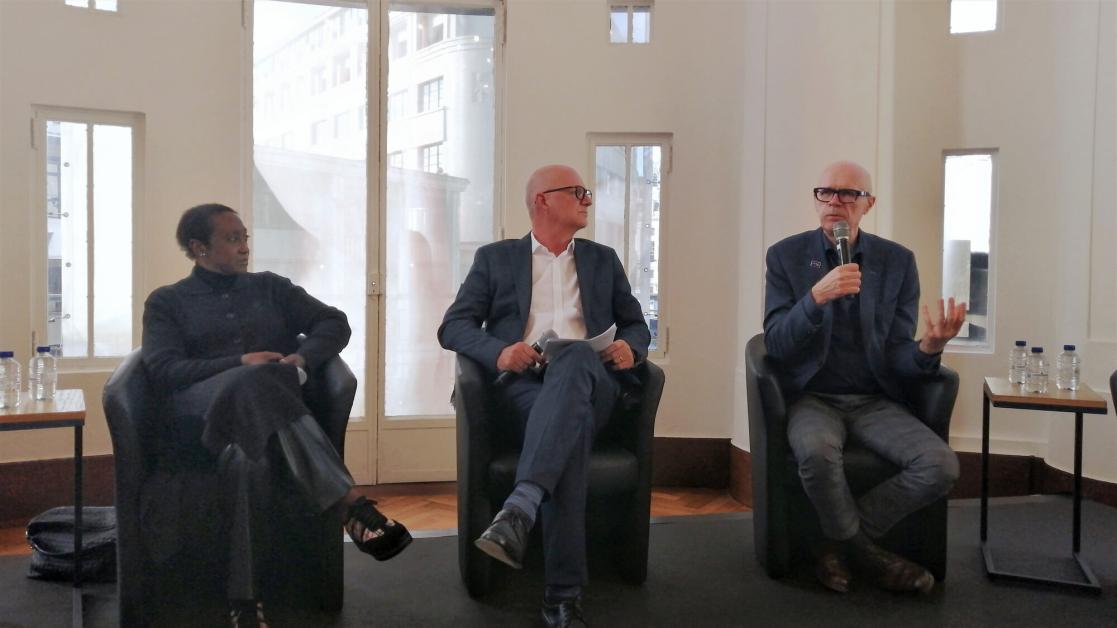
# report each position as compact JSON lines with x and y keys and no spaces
{"x":1037,"y":349}
{"x":6,"y":354}
{"x":1068,"y":347}
{"x":42,"y":349}
{"x":1021,"y":343}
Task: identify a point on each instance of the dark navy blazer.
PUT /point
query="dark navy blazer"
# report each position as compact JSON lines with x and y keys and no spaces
{"x":491,"y":309}
{"x":797,"y":331}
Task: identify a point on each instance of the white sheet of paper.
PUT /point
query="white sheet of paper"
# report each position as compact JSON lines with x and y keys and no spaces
{"x":597,"y":343}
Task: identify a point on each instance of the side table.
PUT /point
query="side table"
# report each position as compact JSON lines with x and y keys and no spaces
{"x":1002,"y":394}
{"x":67,"y":409}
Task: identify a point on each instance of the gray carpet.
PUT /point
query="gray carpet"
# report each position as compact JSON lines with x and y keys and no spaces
{"x":702,"y":572}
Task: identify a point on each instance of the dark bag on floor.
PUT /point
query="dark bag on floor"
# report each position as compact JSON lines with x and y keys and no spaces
{"x":51,"y":536}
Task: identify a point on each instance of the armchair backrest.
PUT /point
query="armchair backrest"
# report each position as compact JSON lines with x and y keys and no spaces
{"x":1113,"y":387}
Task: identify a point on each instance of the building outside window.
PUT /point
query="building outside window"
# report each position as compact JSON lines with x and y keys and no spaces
{"x":431,"y":157}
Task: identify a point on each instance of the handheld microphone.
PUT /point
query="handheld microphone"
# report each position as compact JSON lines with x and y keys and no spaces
{"x":841,"y":235}
{"x":538,"y":346}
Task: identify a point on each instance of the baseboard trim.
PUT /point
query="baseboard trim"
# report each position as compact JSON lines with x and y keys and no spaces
{"x":1009,"y":476}
{"x":690,"y":462}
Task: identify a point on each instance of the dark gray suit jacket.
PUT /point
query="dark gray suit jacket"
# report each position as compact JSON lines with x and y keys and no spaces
{"x":797,"y":331}
{"x":491,"y":309}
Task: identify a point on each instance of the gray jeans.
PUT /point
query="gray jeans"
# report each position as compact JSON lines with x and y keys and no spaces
{"x":818,"y":428}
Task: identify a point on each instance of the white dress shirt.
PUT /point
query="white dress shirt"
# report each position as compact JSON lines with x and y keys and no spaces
{"x":556,"y":301}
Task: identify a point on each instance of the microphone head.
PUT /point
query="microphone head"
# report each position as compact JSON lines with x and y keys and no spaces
{"x":546,"y":337}
{"x":841,"y":230}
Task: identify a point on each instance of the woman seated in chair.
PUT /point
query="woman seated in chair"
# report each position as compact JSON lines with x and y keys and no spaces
{"x":222,"y":346}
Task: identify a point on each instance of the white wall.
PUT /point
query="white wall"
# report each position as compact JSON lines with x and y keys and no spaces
{"x":179,"y":63}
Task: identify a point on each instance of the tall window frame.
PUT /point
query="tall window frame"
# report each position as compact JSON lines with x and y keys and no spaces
{"x":642,"y":259}
{"x":95,"y":357}
{"x":969,"y":247}
{"x":630,"y":21}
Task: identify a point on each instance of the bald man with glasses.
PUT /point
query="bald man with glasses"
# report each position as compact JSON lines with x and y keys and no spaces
{"x":844,"y":335}
{"x":515,"y":291}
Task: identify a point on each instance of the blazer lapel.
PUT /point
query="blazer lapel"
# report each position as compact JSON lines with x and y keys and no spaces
{"x":521,"y":276}
{"x":818,"y":267}
{"x":870,"y":294}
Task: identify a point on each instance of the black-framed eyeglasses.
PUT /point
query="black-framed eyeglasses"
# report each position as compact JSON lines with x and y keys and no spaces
{"x":579,"y":191}
{"x":845,"y":195}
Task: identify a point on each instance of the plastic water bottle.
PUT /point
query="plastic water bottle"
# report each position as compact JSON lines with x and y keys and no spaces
{"x":1067,"y":366}
{"x":1035,"y":381}
{"x":9,"y":380}
{"x":1018,"y":362}
{"x":42,"y":375}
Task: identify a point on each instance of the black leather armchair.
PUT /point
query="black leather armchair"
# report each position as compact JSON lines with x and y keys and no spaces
{"x":1113,"y":386}
{"x":784,"y":522}
{"x":620,"y":472}
{"x":315,"y":543}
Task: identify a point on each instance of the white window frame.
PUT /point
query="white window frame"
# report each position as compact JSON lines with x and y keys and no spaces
{"x":39,"y":263}
{"x":628,"y":140}
{"x":987,"y":346}
{"x":628,"y":6}
{"x":93,"y":5}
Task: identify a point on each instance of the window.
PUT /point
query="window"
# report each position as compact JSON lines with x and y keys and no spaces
{"x":397,"y":105}
{"x":431,"y":157}
{"x":630,"y":24}
{"x":395,"y":160}
{"x":431,"y":27}
{"x":341,"y":69}
{"x":99,"y":5}
{"x":430,"y":95}
{"x":628,"y":184}
{"x":90,"y":179}
{"x":967,"y":241}
{"x":973,"y":16}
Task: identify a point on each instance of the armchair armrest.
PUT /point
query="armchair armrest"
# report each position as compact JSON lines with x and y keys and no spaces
{"x":932,"y":399}
{"x":329,"y":394}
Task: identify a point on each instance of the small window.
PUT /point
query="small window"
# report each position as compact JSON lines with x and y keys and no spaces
{"x":397,"y":106}
{"x":973,"y":16}
{"x":967,"y":259}
{"x":432,"y":157}
{"x":630,"y":23}
{"x":628,"y":202}
{"x":98,"y":5}
{"x":430,"y":95}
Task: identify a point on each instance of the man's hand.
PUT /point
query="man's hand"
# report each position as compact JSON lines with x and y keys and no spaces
{"x":295,"y":359}
{"x":517,"y":358}
{"x":261,"y":357}
{"x":619,"y":355}
{"x":939,"y":331}
{"x":842,"y":280}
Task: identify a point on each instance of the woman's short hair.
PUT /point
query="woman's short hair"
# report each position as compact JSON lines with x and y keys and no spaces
{"x":197,"y":224}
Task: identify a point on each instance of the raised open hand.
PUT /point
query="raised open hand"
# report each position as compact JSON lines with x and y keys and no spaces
{"x":939,"y":330}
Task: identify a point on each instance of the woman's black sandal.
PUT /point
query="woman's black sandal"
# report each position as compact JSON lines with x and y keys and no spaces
{"x":246,"y":614}
{"x":389,"y":537}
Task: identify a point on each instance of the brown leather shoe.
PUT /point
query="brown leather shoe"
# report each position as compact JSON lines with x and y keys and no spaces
{"x":888,"y":570}
{"x":832,"y":570}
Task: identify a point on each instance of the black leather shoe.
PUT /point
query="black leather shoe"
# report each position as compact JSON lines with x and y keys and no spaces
{"x":889,"y":571}
{"x":563,"y":613}
{"x":832,"y":571}
{"x":506,"y":537}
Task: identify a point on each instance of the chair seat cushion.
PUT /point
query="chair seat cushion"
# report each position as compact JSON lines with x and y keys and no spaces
{"x":863,"y":468}
{"x":612,"y":471}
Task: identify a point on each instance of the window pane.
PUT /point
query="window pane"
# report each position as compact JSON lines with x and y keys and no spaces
{"x":309,"y":184}
{"x":967,"y":213}
{"x":436,"y":220}
{"x":609,"y":194}
{"x":641,"y":25}
{"x":105,"y":5}
{"x":643,"y":222}
{"x":618,"y":25}
{"x":78,"y":3}
{"x":971,"y":16}
{"x":67,"y":234}
{"x":112,"y":240}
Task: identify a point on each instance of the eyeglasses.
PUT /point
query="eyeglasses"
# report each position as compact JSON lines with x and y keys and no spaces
{"x":845,"y":195}
{"x":579,"y":192}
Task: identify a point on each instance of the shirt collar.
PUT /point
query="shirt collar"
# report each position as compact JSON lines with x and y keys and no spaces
{"x":538,"y":247}
{"x":856,"y":251}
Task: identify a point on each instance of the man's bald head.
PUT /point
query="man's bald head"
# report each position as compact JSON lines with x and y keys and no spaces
{"x":547,"y":178}
{"x":849,"y":171}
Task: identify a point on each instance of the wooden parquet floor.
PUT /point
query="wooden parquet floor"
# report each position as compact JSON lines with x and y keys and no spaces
{"x":434,"y":506}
